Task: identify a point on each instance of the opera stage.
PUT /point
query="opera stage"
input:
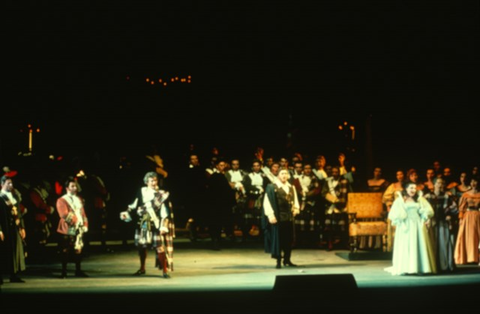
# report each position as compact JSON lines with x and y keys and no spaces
{"x":238,"y":278}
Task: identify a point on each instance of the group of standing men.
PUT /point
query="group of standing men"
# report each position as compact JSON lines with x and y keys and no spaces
{"x":153,"y":216}
{"x":271,"y":199}
{"x":72,"y":225}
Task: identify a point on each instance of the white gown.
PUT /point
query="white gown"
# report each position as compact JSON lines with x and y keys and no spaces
{"x":412,"y":251}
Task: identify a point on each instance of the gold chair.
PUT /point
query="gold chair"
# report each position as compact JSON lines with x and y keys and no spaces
{"x":366,"y":218}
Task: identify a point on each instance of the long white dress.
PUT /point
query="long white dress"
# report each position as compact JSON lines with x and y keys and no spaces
{"x":412,"y":250}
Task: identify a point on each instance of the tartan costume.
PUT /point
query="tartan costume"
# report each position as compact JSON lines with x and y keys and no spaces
{"x":335,"y":193}
{"x":147,"y":234}
{"x":307,"y":223}
{"x":254,"y":184}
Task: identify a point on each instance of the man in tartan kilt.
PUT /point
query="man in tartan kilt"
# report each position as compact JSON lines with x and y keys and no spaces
{"x":155,"y":226}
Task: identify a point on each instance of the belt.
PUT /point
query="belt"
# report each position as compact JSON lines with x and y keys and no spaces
{"x":472,"y":209}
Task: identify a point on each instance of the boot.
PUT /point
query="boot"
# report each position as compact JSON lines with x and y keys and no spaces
{"x":78,"y":266}
{"x":279,"y":263}
{"x":142,"y":253}
{"x":15,"y":278}
{"x":64,"y":265}
{"x":287,"y":261}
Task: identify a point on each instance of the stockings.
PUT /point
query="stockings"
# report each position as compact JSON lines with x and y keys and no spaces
{"x":162,"y":262}
{"x":142,"y":253}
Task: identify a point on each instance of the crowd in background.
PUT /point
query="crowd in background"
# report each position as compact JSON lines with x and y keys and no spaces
{"x":222,"y":199}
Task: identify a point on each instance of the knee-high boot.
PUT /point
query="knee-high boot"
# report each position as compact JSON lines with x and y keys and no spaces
{"x":78,"y":262}
{"x":286,"y":258}
{"x":78,"y":266}
{"x":64,"y":264}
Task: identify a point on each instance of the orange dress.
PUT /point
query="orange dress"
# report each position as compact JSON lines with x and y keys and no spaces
{"x":468,"y":238}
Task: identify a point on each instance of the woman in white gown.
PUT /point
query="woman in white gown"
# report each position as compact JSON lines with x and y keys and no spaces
{"x":412,"y":250}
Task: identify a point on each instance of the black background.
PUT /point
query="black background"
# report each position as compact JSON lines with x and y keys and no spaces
{"x":260,"y":71}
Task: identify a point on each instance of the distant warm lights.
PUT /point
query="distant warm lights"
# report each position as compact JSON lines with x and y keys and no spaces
{"x":164,"y":81}
{"x":340,"y":127}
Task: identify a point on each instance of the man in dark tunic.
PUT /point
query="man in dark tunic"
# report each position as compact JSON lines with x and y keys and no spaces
{"x":280,"y":206}
{"x":220,"y":200}
{"x":12,"y":232}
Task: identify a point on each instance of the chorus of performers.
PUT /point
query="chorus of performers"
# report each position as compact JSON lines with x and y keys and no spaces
{"x":223,"y":201}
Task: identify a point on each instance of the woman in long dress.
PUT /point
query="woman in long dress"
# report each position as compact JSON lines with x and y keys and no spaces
{"x":412,"y":249}
{"x":468,"y":238}
{"x":441,"y":231}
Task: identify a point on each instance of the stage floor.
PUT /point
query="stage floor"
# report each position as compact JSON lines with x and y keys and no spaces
{"x":237,"y":275}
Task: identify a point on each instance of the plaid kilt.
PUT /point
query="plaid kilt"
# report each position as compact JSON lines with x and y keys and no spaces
{"x":149,"y":236}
